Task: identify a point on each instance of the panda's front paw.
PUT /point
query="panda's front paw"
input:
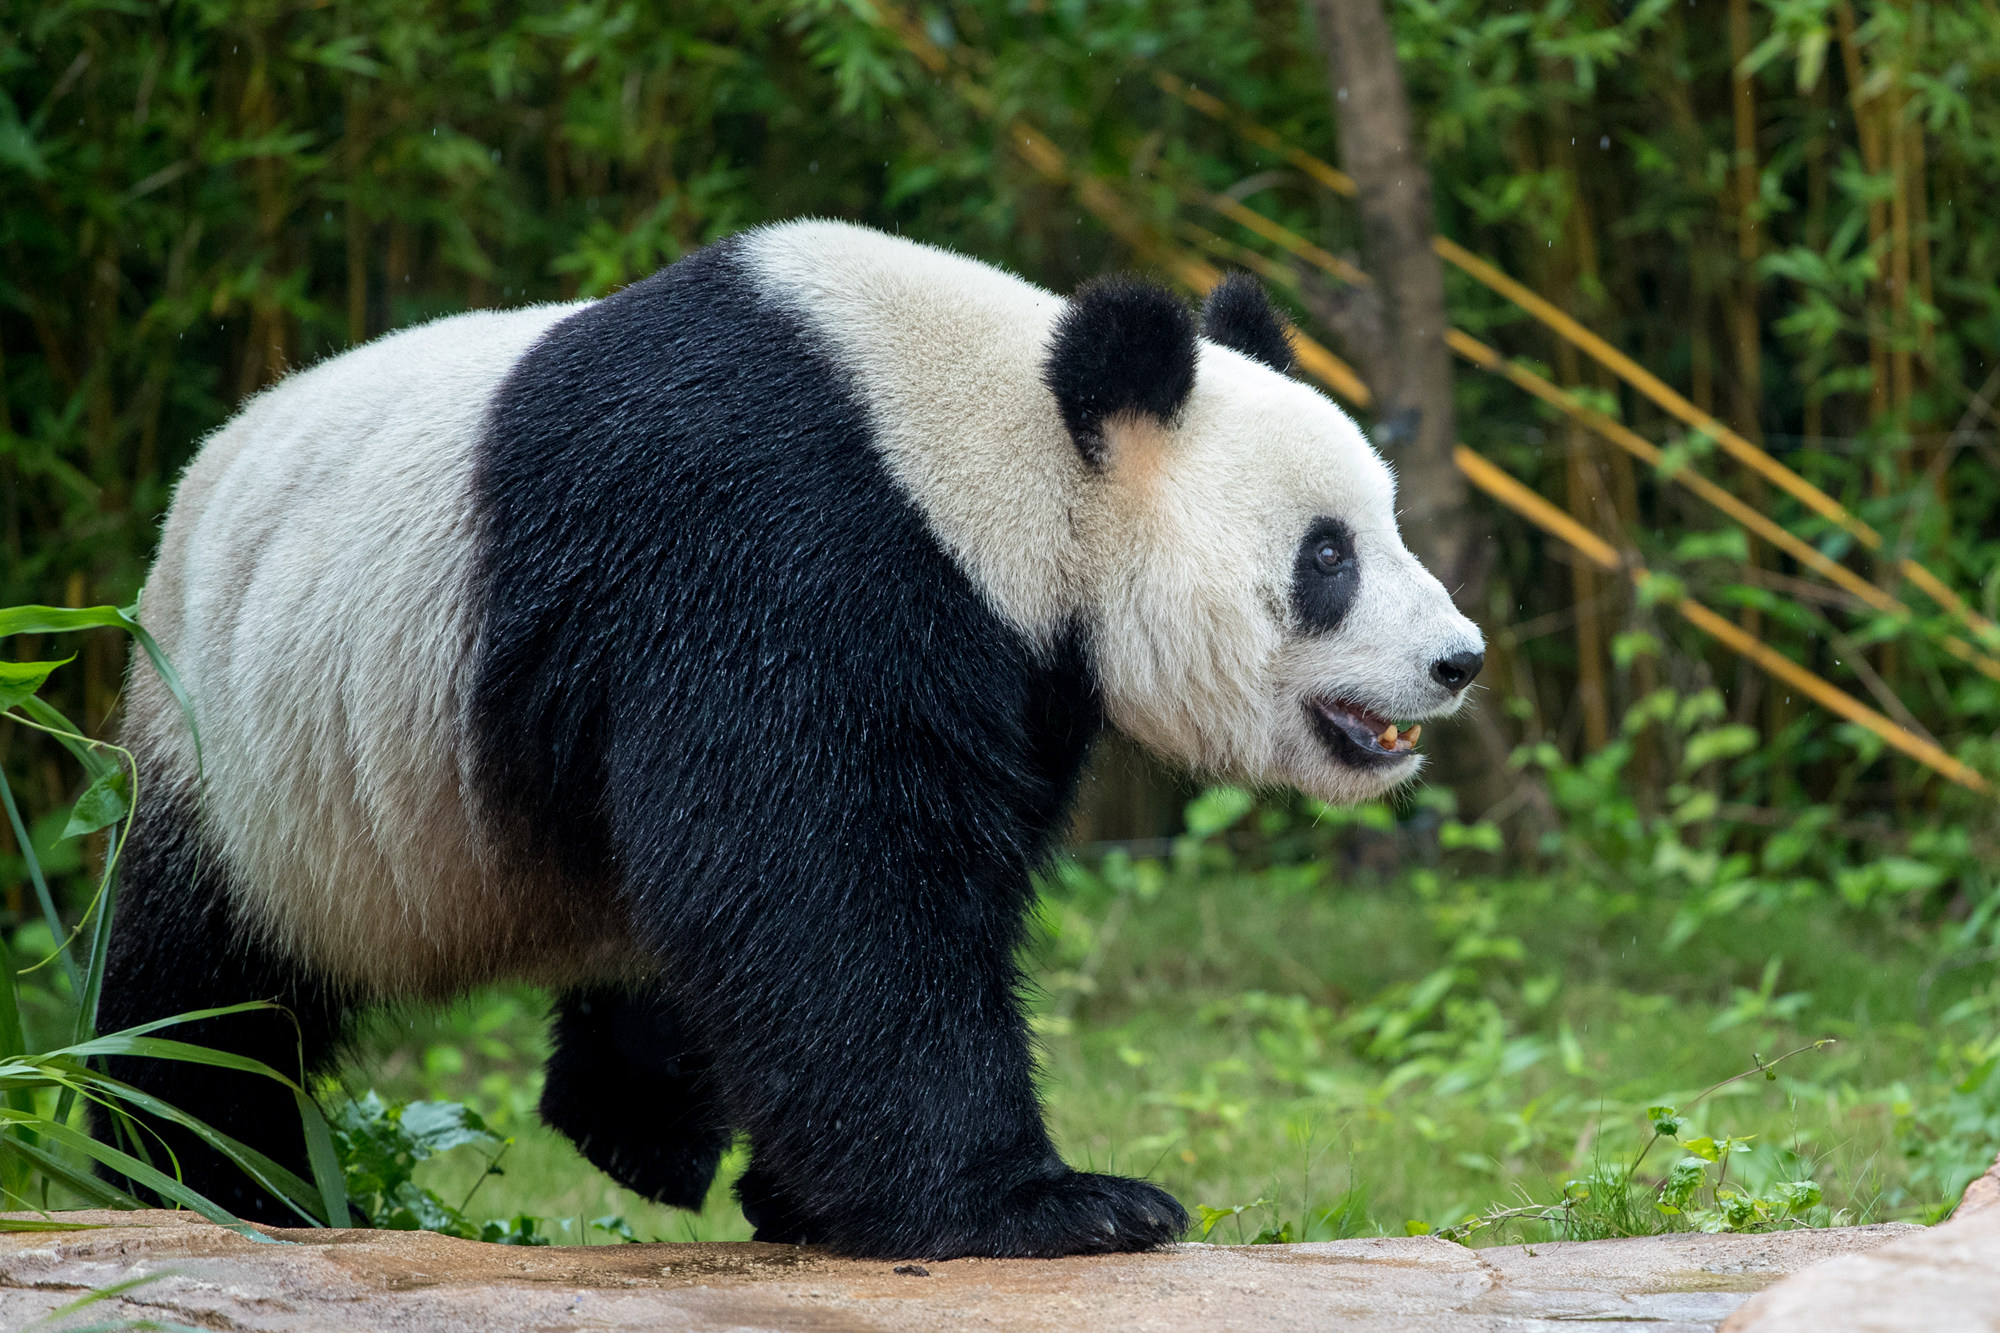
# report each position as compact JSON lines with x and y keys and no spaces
{"x":1081,"y":1213}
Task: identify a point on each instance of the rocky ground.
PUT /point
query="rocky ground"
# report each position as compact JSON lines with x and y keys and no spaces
{"x":202,"y":1276}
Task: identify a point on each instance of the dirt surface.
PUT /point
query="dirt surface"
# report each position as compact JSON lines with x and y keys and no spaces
{"x":207,"y":1277}
{"x":1942,"y":1280}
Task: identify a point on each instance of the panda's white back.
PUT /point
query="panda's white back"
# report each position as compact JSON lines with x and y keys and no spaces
{"x":312,"y":591}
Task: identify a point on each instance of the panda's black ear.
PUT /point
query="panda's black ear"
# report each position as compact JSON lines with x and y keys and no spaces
{"x":1240,"y":316}
{"x":1124,"y":347}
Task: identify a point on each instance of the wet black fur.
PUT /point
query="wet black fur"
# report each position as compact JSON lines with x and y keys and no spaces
{"x":1122,"y":346}
{"x":1239,"y":315}
{"x":725,"y":668}
{"x":178,"y":945}
{"x":634,"y":1091}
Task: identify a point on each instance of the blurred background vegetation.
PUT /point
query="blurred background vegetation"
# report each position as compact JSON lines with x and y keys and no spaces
{"x":1648,"y":862}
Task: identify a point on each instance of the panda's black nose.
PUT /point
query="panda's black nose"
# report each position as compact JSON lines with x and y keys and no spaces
{"x":1456,"y":672}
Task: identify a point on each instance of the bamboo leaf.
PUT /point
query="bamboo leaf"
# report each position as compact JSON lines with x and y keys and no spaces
{"x":172,"y":1020}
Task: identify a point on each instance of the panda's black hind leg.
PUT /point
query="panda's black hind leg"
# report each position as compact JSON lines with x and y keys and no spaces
{"x":631,"y":1088}
{"x":177,"y":945}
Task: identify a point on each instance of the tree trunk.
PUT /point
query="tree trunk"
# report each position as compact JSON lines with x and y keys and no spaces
{"x":1406,"y":362}
{"x":1410,"y":372}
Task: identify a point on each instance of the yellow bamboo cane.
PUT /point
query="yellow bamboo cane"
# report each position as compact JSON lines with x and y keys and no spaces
{"x":1489,"y":477}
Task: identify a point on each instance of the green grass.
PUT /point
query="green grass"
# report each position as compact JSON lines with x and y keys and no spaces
{"x":1210,"y":1027}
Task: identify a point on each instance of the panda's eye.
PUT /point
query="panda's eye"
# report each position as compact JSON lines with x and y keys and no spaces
{"x":1325,"y":577}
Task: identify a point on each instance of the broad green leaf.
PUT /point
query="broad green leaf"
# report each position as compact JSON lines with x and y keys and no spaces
{"x":440,"y":1126}
{"x":20,"y":681}
{"x":60,"y":619}
{"x":103,"y":803}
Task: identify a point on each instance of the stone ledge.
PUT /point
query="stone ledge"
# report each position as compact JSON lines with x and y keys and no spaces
{"x":1944,"y":1279}
{"x":210,"y":1277}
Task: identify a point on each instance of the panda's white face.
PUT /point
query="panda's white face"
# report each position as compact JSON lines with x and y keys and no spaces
{"x":1255,"y":612}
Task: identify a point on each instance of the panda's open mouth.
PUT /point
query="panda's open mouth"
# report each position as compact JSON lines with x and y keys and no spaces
{"x":1359,"y":738}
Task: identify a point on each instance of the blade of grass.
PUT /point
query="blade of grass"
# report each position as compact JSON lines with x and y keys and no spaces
{"x":116,"y":1289}
{"x":89,"y":1187}
{"x":42,"y":895}
{"x":135,"y":1170}
{"x":275,"y":1179}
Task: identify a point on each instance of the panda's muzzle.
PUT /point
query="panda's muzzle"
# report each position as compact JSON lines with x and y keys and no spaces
{"x":1359,"y":738}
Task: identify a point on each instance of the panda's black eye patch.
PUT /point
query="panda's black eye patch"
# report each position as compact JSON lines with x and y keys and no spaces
{"x":1325,"y":576}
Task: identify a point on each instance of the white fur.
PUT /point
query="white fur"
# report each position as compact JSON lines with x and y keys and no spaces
{"x":312,"y":591}
{"x":1179,"y":556}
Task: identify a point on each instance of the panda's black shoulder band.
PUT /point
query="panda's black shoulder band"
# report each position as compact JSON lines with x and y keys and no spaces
{"x":1123,"y":346}
{"x":1240,"y":316}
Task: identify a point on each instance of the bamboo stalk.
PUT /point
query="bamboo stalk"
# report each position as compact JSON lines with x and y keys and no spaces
{"x":1567,"y":263}
{"x":1746,"y":331}
{"x":1865,"y":131}
{"x":1901,"y":381}
{"x":1751,"y":519}
{"x":355,"y":218}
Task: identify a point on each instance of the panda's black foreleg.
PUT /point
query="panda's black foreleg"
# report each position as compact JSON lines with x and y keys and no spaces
{"x":177,"y":944}
{"x":633,"y":1090}
{"x":879,"y":1062}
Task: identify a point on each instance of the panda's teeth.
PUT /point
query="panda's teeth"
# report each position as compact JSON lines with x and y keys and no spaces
{"x":1414,"y":732}
{"x":1388,"y":737}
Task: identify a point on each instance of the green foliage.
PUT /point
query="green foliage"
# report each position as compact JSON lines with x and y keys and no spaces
{"x":1501,"y":1054}
{"x":380,"y":1145}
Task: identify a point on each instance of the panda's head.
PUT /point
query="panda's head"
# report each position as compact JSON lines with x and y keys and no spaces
{"x":1253,"y":610}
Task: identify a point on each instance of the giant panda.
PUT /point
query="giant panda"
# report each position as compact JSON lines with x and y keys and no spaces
{"x":722,"y":655}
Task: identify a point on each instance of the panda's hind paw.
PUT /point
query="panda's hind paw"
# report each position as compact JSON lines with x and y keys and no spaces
{"x":1082,"y":1213}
